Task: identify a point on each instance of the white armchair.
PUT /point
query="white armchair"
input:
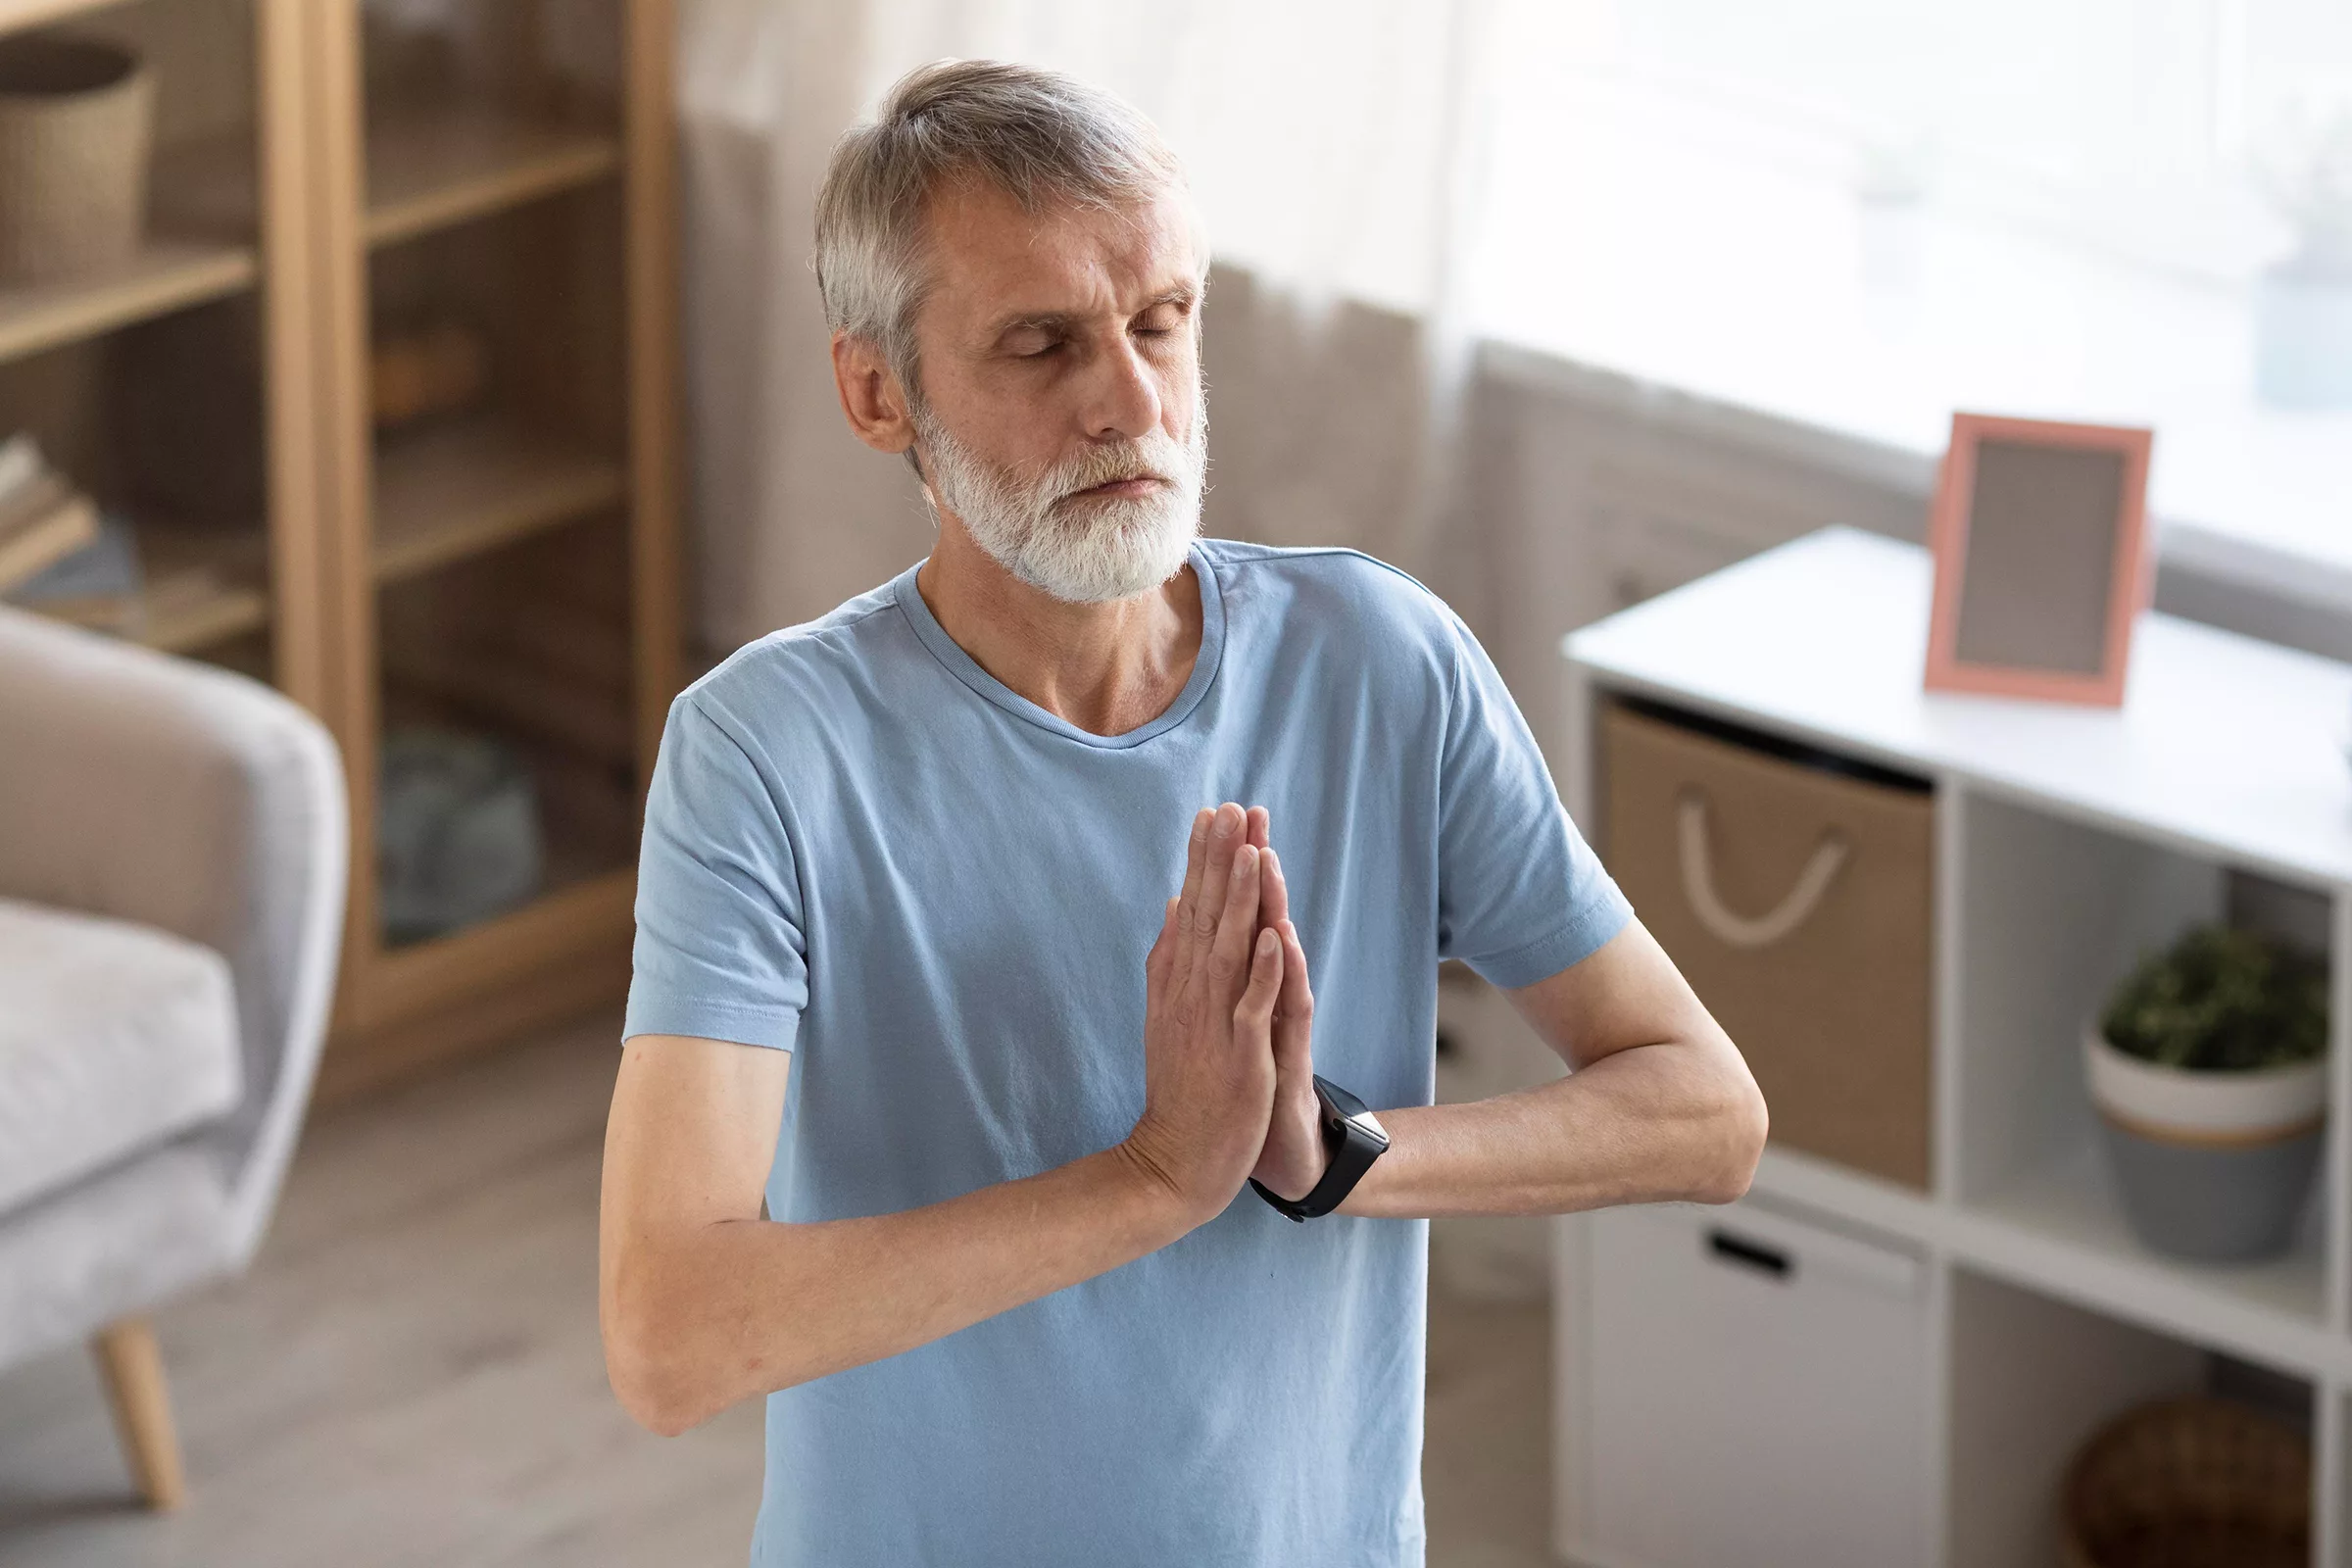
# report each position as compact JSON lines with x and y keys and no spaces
{"x":172,"y":849}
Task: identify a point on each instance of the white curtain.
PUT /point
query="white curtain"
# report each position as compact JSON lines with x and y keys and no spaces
{"x":1334,"y":147}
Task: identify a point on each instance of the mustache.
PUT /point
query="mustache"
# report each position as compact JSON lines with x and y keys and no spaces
{"x":1158,"y":457}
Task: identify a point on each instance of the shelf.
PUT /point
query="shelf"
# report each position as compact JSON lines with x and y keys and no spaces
{"x":198,"y":590}
{"x":443,"y":495}
{"x":199,"y":247}
{"x":583,"y":841}
{"x":431,"y":169}
{"x":202,"y":590}
{"x":2060,"y":1231}
{"x":2030,"y":1381}
{"x":559,"y":921}
{"x":2074,"y":1204}
{"x":1822,"y":1186}
{"x":19,"y":14}
{"x":166,"y":274}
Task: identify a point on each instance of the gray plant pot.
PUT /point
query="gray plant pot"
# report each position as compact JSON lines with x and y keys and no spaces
{"x":2214,"y":1167}
{"x":2214,"y":1205}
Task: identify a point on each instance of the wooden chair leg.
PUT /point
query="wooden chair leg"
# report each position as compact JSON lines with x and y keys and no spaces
{"x":134,"y":1383}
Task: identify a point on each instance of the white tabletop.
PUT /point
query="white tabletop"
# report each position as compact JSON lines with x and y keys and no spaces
{"x":2224,"y":744}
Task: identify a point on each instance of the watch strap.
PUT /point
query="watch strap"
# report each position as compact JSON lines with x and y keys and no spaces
{"x":1353,"y":1138}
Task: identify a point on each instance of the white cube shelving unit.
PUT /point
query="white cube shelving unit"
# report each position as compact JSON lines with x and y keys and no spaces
{"x":2068,"y":841}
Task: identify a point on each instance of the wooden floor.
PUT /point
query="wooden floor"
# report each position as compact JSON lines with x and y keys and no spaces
{"x":411,"y":1374}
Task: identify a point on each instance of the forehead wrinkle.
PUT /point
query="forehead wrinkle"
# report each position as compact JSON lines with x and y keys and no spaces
{"x":1185,"y":294}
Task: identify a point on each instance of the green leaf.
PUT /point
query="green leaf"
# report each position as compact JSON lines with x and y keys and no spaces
{"x":2222,"y":999}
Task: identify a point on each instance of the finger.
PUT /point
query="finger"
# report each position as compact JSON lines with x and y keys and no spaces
{"x":1162,"y":957}
{"x":1258,"y":829}
{"x":1195,"y":869}
{"x":1253,"y":1012}
{"x":1196,"y":858}
{"x":1237,"y":926}
{"x":1216,"y":872}
{"x":1274,"y":894}
{"x":1294,"y":1009}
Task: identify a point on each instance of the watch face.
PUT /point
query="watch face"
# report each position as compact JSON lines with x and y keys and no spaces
{"x":1365,"y":1123}
{"x":1341,"y":1112}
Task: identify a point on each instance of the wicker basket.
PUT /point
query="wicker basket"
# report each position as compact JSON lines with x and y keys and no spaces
{"x":76,"y":117}
{"x":2190,"y":1483}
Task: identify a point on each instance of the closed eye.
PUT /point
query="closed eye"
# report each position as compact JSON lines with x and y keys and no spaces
{"x":1160,"y":321}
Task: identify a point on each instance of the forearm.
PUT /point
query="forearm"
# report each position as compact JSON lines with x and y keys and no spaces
{"x":702,"y":1318}
{"x":1649,"y":1124}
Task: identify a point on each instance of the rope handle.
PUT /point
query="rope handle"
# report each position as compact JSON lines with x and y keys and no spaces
{"x":1739,"y":930}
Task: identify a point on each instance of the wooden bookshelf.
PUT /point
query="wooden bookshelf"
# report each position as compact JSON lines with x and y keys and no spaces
{"x":508,"y":567}
{"x":220,"y":233}
{"x":509,"y":571}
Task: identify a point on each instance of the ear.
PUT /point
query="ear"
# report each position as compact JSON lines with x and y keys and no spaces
{"x":870,"y":395}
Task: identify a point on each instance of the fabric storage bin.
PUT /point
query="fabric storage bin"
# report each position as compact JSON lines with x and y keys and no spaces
{"x":1794,"y":891}
{"x":1749,"y":1389}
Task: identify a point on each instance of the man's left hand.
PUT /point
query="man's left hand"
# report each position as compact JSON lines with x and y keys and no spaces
{"x":1293,"y":1156}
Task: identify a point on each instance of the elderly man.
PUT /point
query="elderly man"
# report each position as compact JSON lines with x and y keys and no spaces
{"x":1078,"y":1244}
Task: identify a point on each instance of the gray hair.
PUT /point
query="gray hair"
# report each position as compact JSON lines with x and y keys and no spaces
{"x":1044,"y":138}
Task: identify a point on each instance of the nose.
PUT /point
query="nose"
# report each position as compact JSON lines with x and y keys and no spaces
{"x":1125,"y":397}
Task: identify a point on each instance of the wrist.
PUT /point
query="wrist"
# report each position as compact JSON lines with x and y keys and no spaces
{"x":1149,"y":1189}
{"x":1350,"y":1140}
{"x":1295,"y":1180}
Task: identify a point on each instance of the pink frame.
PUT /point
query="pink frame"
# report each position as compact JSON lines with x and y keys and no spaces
{"x":1947,"y":536}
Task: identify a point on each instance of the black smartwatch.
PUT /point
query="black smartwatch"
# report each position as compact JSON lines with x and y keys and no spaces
{"x":1352,"y":1136}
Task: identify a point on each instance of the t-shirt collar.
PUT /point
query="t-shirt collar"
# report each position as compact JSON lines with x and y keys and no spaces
{"x":966,"y":668}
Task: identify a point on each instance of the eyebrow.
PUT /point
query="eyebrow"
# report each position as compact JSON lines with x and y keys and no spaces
{"x":1185,"y":294}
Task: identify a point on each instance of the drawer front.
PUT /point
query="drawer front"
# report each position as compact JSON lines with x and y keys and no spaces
{"x":1757,"y":1394}
{"x":1796,"y":901}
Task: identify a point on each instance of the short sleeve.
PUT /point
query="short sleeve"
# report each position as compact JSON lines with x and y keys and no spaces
{"x":719,"y":951}
{"x":1520,"y":895}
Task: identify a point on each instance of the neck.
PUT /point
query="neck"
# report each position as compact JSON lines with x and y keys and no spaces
{"x":1106,"y":669}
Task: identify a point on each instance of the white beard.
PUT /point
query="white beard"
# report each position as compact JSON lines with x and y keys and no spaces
{"x":1081,"y":551}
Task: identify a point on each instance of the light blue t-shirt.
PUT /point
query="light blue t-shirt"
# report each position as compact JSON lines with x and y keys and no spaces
{"x":862,"y":848}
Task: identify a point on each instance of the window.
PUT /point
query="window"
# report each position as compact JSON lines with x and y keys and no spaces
{"x":1865,"y":214}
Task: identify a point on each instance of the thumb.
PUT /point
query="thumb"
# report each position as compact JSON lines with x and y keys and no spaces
{"x":1295,"y":1022}
{"x":1162,"y":957}
{"x":1255,"y":1013}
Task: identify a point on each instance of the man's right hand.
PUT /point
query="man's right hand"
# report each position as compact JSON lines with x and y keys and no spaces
{"x":1210,"y":981}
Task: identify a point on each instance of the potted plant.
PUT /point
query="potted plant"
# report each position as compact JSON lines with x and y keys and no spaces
{"x":2209,"y":1066}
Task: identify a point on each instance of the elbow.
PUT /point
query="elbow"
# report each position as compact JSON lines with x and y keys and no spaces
{"x":663,"y":1412}
{"x":1742,"y":1124}
{"x":658,"y":1393}
{"x":656,"y":1379}
{"x":674,"y":1368}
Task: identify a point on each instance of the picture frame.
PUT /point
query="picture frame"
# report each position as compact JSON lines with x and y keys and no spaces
{"x":2039,"y":534}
